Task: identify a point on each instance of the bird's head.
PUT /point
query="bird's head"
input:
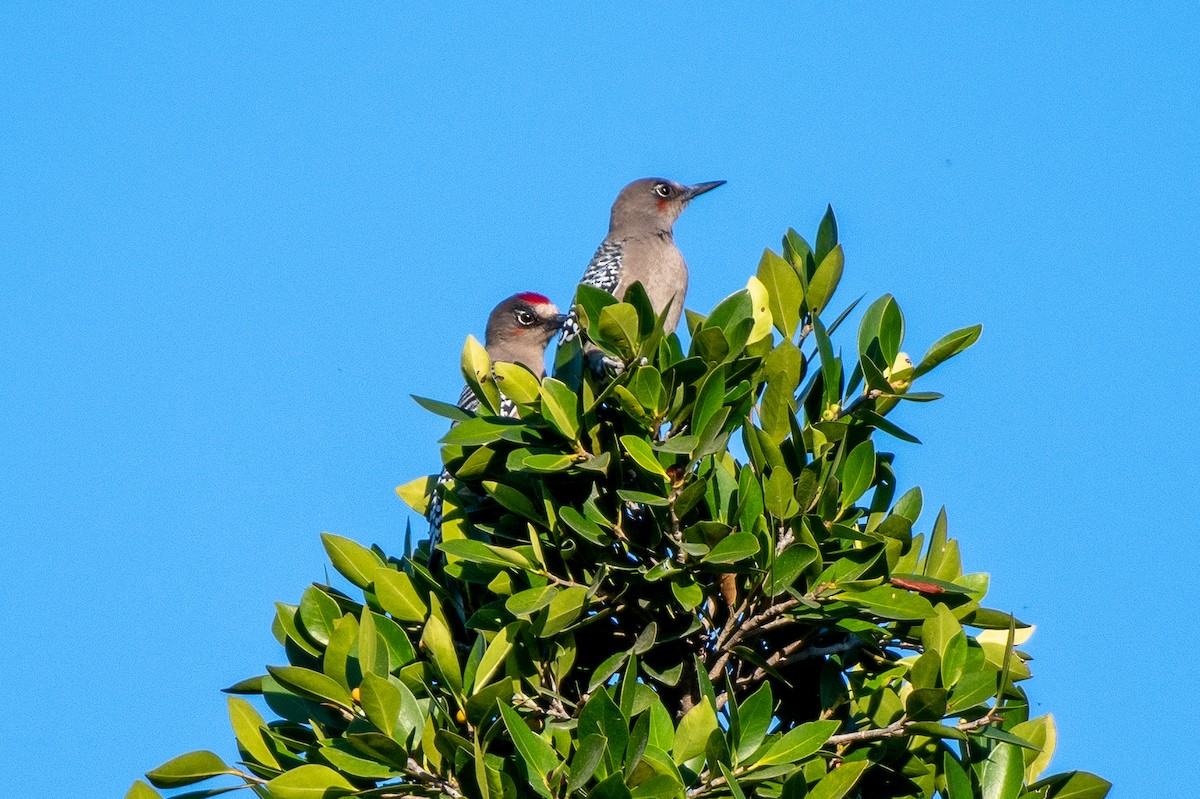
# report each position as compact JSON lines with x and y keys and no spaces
{"x":654,"y":203}
{"x":520,"y":327}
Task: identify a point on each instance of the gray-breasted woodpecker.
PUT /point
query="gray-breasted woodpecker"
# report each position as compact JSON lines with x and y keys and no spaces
{"x":640,"y":247}
{"x":518,"y":330}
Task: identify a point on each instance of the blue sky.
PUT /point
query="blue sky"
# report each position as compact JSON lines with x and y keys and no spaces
{"x":234,"y":241}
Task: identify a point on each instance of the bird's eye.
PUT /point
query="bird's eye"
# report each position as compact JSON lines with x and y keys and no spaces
{"x":662,"y":190}
{"x":525,"y":319}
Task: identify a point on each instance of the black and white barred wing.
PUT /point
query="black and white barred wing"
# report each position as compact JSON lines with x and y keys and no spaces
{"x":604,"y":273}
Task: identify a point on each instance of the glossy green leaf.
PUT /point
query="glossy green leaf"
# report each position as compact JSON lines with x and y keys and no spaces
{"x":537,"y":755}
{"x":858,"y":472}
{"x":691,"y":737}
{"x":824,"y":281}
{"x":381,"y":702}
{"x":799,"y":743}
{"x":784,"y":292}
{"x":311,"y":685}
{"x":497,"y":651}
{"x":586,"y":760}
{"x":516,"y":382}
{"x":565,"y":607}
{"x":140,"y":790}
{"x":891,"y":603}
{"x":1002,"y":773}
{"x":839,"y":781}
{"x":248,"y":727}
{"x":947,"y":347}
{"x":352,"y":560}
{"x":311,"y":781}
{"x":398,"y":596}
{"x":733,"y":548}
{"x":187,"y":769}
{"x":561,"y":407}
{"x":438,"y":642}
{"x":1074,"y":785}
{"x":643,"y":455}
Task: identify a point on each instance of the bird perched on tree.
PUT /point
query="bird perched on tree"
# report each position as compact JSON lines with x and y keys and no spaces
{"x":518,"y":330}
{"x":640,"y":247}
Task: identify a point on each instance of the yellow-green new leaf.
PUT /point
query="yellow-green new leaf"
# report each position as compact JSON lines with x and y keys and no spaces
{"x":416,"y":493}
{"x":248,"y":727}
{"x":352,"y":560}
{"x":517,"y":383}
{"x":140,"y":790}
{"x":565,"y":608}
{"x":694,"y":729}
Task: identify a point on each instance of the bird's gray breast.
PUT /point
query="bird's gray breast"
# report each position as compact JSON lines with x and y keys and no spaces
{"x":657,"y":263}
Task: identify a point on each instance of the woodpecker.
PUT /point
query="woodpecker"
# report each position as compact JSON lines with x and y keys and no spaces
{"x":640,"y":247}
{"x":518,"y":330}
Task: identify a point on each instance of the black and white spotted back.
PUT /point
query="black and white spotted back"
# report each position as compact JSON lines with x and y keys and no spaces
{"x":604,"y":273}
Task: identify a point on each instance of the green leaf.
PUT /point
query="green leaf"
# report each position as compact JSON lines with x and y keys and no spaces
{"x":891,"y":603}
{"x":311,"y":684}
{"x":398,"y":596}
{"x":825,"y":280}
{"x":1074,"y":785}
{"x":947,"y":347}
{"x":513,"y":500}
{"x":602,"y":716}
{"x":612,"y":787}
{"x":755,"y":717}
{"x":531,"y":600}
{"x":586,"y":760}
{"x":140,"y":790}
{"x":516,"y":382}
{"x":187,"y":769}
{"x":560,"y":406}
{"x":565,"y":608}
{"x":710,"y":399}
{"x":799,"y":743}
{"x":248,"y":727}
{"x":537,"y":755}
{"x":310,"y":781}
{"x":838,"y":782}
{"x":497,"y":651}
{"x":443,"y":409}
{"x":958,"y":783}
{"x":733,"y":548}
{"x":318,"y":613}
{"x":381,"y":702}
{"x":1042,"y":733}
{"x":784,"y":293}
{"x":858,"y":472}
{"x":352,"y":560}
{"x":618,"y":328}
{"x":438,"y":642}
{"x":483,"y":554}
{"x":827,"y":235}
{"x":643,"y":455}
{"x":694,"y":728}
{"x":1002,"y":773}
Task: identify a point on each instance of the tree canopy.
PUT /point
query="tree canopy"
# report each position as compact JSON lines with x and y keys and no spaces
{"x":693,"y":579}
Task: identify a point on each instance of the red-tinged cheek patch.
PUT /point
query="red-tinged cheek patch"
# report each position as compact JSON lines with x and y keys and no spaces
{"x":662,"y":205}
{"x":533,"y":298}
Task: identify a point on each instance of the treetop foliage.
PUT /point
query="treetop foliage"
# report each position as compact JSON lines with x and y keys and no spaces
{"x":693,"y":579}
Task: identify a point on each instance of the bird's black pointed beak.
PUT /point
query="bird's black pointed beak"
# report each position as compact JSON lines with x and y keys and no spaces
{"x":557,"y":321}
{"x":691,"y":192}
